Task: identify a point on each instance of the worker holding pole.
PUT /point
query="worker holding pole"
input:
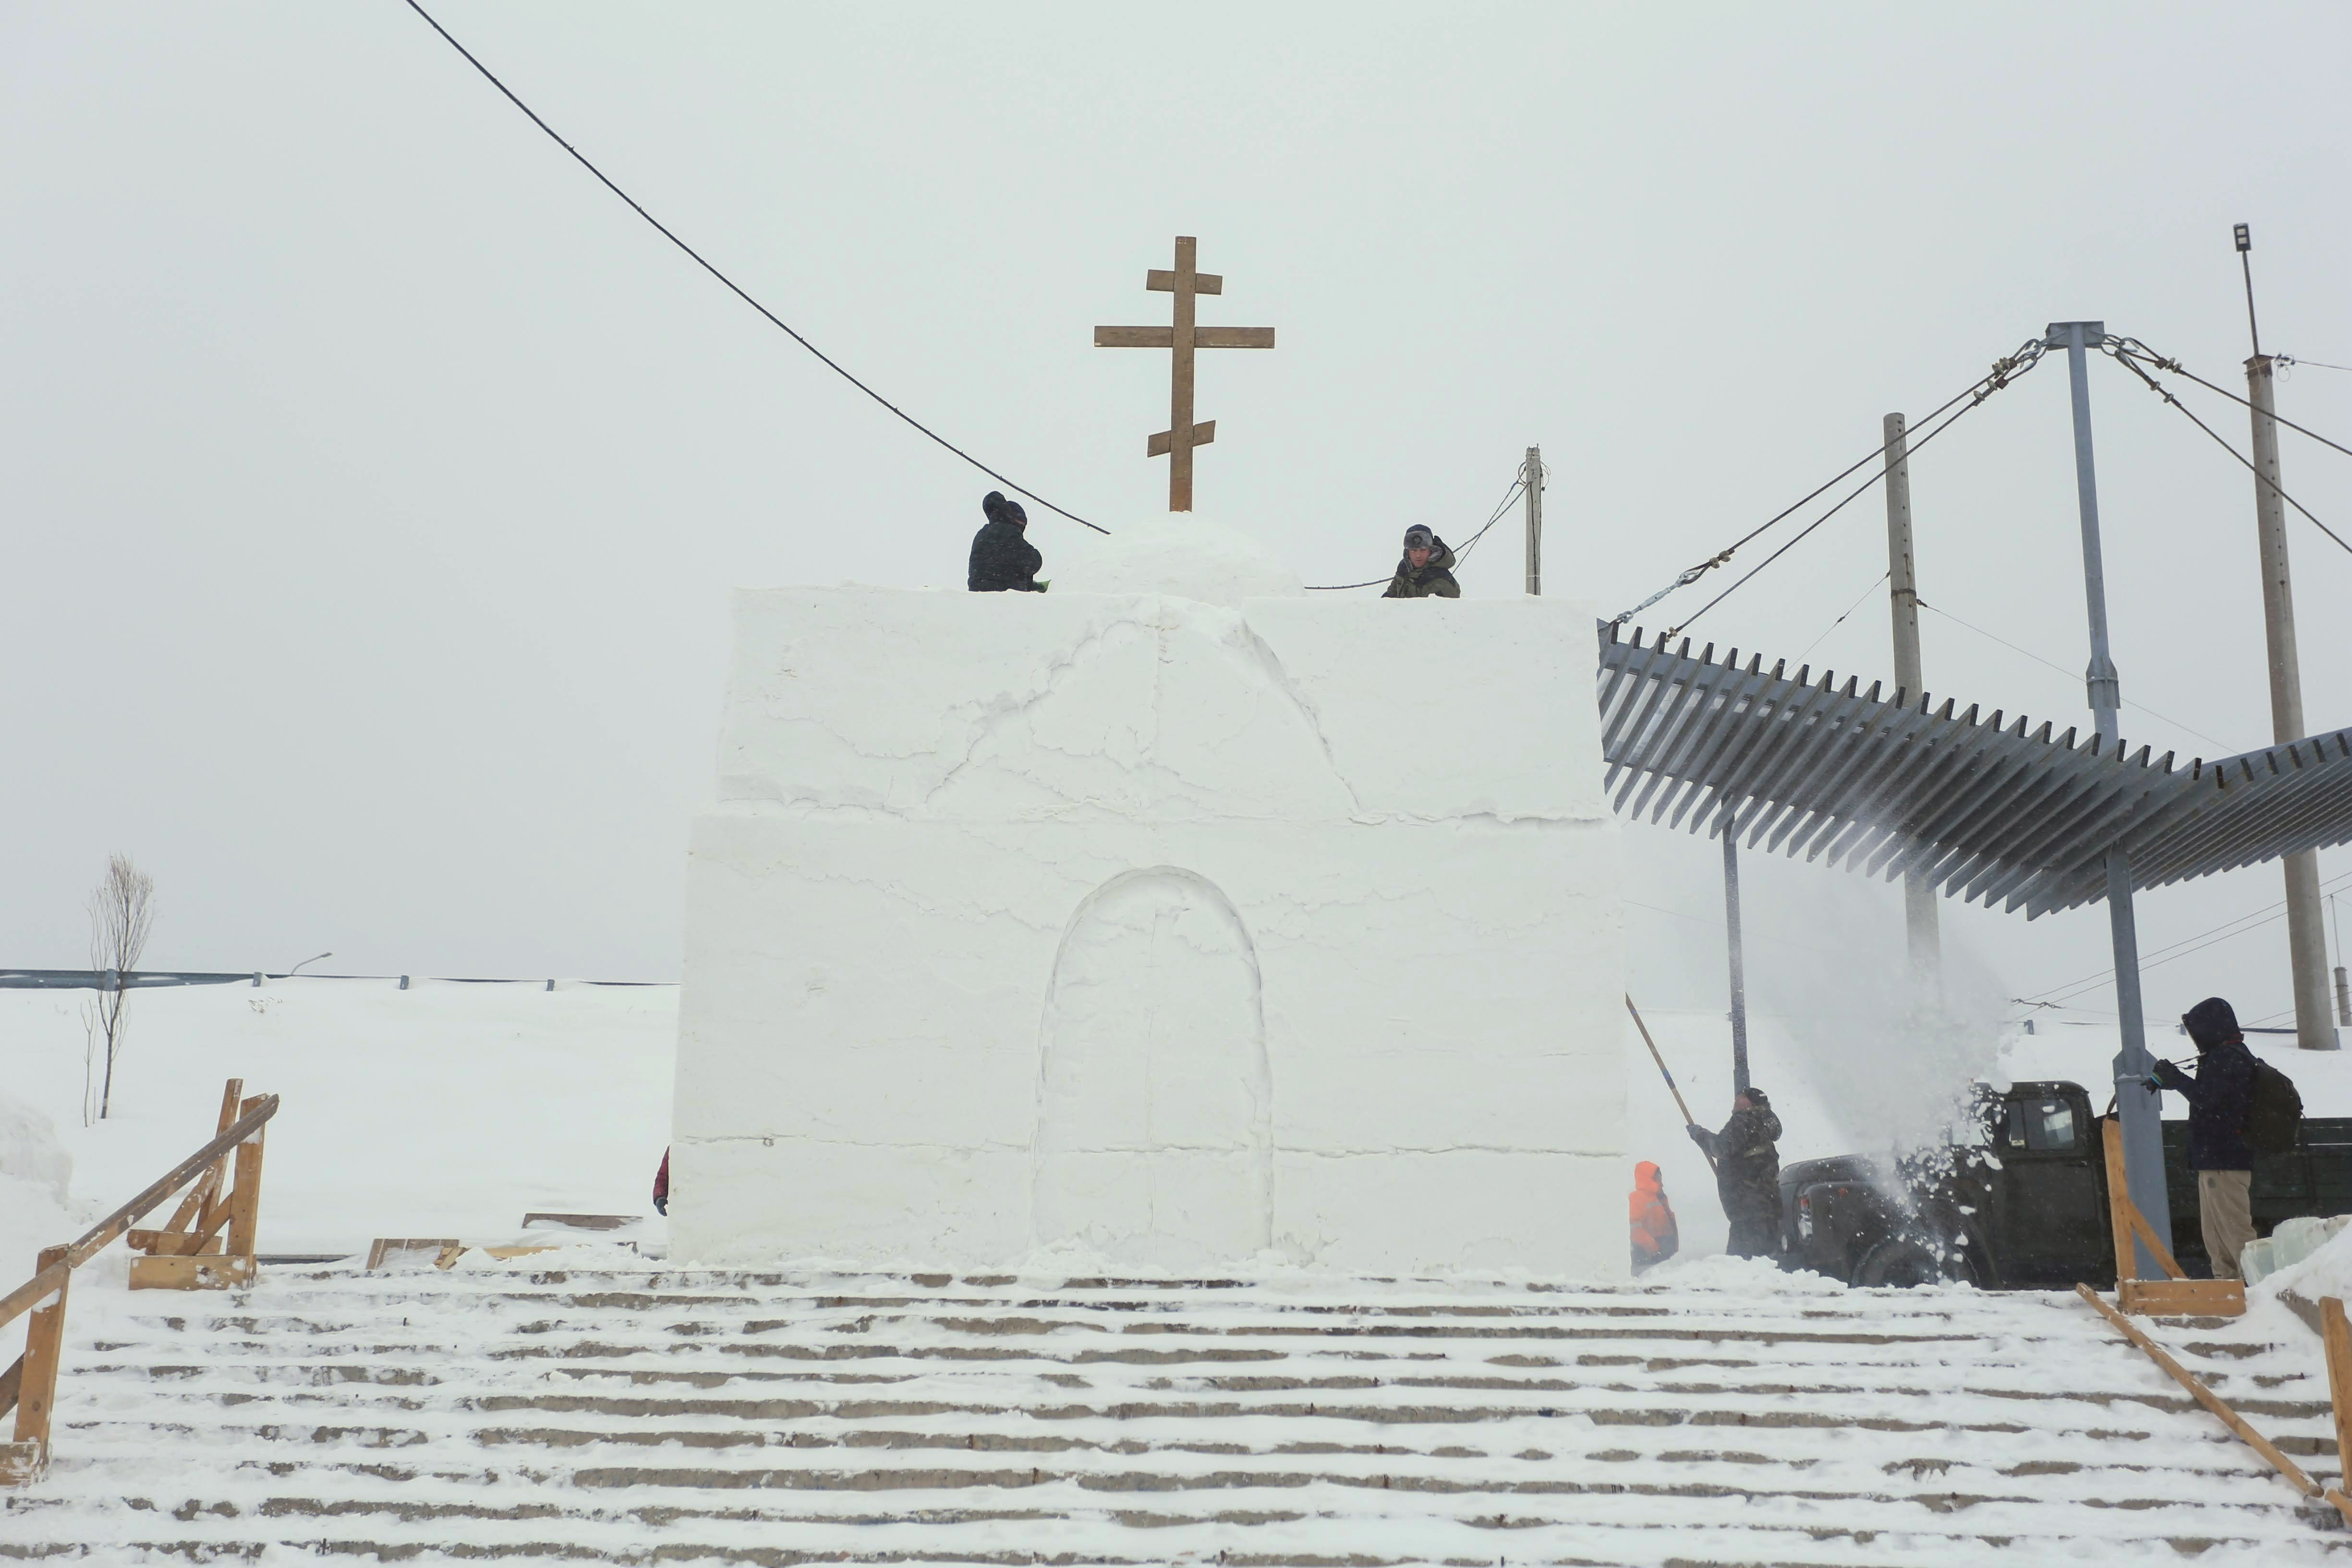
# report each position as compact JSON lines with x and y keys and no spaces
{"x":1745,"y":1156}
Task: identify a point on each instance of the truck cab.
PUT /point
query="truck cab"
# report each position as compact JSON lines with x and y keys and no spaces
{"x":2017,"y":1198}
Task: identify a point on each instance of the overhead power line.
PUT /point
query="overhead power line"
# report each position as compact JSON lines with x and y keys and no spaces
{"x":1501,"y":506}
{"x":2194,"y":942}
{"x":2017,"y":365}
{"x":734,"y":288}
{"x":2004,"y":370}
{"x":1850,"y":609}
{"x":2130,"y":362}
{"x":2053,"y":664}
{"x":2132,"y":348}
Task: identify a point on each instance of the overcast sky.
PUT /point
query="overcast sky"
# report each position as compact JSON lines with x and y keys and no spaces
{"x":373,"y":479}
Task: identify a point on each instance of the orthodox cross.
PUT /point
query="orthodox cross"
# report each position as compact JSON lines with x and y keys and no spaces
{"x":1182,"y":435}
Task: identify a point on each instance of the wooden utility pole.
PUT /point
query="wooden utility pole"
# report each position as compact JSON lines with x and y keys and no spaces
{"x":1533,"y":474}
{"x":1186,"y":281}
{"x":2306,"y":941}
{"x":1902,"y":596}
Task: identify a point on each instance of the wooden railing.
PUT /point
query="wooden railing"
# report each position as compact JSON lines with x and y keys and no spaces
{"x":192,"y":1254}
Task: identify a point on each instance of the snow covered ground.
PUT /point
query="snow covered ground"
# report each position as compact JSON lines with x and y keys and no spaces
{"x":1931,"y":1427}
{"x":452,"y":1109}
{"x":448,"y":1108}
{"x":1717,"y":1412}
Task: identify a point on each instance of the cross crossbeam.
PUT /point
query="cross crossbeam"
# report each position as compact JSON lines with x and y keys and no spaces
{"x":1186,"y":281}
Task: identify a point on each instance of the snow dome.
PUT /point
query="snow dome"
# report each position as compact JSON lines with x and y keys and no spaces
{"x":1184,"y":554}
{"x":1167,"y":928}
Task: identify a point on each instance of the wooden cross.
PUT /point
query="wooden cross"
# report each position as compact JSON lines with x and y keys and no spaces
{"x":1182,"y":435}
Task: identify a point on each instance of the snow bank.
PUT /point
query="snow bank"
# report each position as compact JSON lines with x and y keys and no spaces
{"x":2327,"y":1271}
{"x":1186,"y":556}
{"x":447,"y":1109}
{"x":1170,"y":929}
{"x":34,"y":1171}
{"x":2084,"y":1053}
{"x":30,"y":1149}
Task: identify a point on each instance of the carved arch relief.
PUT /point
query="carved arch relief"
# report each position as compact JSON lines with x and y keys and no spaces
{"x":1155,"y":1099}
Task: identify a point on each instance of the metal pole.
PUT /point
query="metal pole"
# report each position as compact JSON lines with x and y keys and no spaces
{"x":1533,"y":474}
{"x":2137,"y":1100}
{"x":1732,"y":942}
{"x":1903,"y":595}
{"x":2306,"y":942}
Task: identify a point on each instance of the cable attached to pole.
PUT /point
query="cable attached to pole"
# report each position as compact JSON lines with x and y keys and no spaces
{"x":734,"y":288}
{"x":2004,"y":371}
{"x":2132,"y":348}
{"x":1509,"y":496}
{"x":2130,"y":351}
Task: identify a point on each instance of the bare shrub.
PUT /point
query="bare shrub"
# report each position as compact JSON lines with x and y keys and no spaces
{"x":121,"y":912}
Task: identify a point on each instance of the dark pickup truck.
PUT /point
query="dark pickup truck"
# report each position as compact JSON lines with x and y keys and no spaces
{"x":2020,"y":1199}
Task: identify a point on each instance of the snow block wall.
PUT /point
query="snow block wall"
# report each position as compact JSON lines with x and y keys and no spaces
{"x":1169,"y":933}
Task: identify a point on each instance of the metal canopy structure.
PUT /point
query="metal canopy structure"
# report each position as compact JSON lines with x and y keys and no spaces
{"x":1890,"y":786}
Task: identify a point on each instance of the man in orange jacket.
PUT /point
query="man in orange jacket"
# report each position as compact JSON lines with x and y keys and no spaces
{"x":1655,"y":1237}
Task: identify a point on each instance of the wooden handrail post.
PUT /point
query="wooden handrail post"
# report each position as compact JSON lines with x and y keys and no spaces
{"x":245,"y":1198}
{"x":23,"y":1461}
{"x":2336,"y":1335}
{"x":2176,"y":1293}
{"x":2118,"y":1200}
{"x":202,"y":1197}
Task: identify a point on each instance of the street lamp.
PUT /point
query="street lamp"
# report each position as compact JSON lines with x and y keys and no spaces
{"x":312,"y":959}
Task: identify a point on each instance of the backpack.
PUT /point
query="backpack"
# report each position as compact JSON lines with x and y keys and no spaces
{"x":2274,"y":1111}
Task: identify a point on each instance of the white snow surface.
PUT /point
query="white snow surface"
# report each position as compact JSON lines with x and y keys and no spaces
{"x":2327,"y":1273}
{"x":1177,"y":931}
{"x":30,"y":1149}
{"x":2085,"y":1054}
{"x":580,"y":1409}
{"x":447,"y":1109}
{"x":1184,"y":554}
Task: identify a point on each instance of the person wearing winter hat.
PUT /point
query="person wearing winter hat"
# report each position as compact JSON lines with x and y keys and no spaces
{"x":2219,"y":1095}
{"x":1002,"y":559}
{"x":1655,"y":1236}
{"x":1426,"y":570}
{"x":1746,"y":1156}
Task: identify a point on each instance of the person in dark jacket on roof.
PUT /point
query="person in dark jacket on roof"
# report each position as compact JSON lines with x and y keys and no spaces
{"x":2219,"y":1097}
{"x":1746,"y":1156}
{"x":1426,"y":570}
{"x":1002,"y":559}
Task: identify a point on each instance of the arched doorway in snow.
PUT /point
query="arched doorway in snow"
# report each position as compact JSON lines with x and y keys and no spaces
{"x":1155,"y":1099}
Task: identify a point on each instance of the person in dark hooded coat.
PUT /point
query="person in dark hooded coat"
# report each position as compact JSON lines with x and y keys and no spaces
{"x":2219,"y":1097}
{"x":1426,"y":569}
{"x":1746,"y":1156}
{"x":1002,"y":559}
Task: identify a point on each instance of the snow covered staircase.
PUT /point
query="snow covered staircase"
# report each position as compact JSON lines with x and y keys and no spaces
{"x":710,"y":1417}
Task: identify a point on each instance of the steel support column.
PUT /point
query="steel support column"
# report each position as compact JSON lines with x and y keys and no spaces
{"x":2137,"y":1100}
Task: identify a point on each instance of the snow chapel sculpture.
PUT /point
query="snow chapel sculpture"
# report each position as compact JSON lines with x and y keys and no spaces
{"x":1170,"y":932}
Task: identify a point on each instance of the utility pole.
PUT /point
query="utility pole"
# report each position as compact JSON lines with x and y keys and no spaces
{"x":1903,"y":596}
{"x":2137,"y":1100}
{"x":1732,"y":941}
{"x":2343,"y":989}
{"x":2306,"y":942}
{"x":1533,"y":474}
